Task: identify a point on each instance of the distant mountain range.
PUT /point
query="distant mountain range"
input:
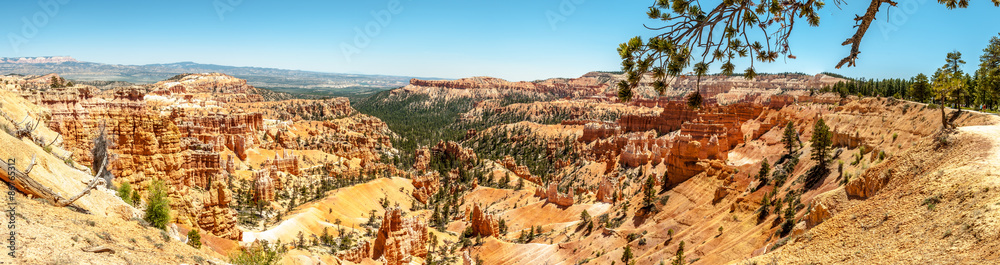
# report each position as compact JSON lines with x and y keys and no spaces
{"x":292,"y":81}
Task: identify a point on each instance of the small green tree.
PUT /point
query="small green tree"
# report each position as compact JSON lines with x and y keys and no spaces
{"x":627,"y":254}
{"x":194,"y":238}
{"x":679,"y":257}
{"x":649,"y":193}
{"x":584,"y":217}
{"x":125,"y":192}
{"x":920,"y":90}
{"x":158,"y":208}
{"x":948,"y":83}
{"x":789,"y":137}
{"x":821,"y":143}
{"x":765,"y":169}
{"x":54,"y":82}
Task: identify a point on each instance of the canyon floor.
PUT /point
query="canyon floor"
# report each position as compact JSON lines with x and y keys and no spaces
{"x":485,"y":171}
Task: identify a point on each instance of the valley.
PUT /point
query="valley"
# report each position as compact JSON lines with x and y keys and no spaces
{"x":486,"y":171}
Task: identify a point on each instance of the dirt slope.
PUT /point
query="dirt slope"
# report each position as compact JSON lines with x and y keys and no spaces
{"x":939,"y":204}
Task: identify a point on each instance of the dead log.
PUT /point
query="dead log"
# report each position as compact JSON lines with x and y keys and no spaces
{"x":98,"y":249}
{"x":25,"y":184}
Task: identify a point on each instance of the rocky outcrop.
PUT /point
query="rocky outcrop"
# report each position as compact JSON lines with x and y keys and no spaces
{"x":422,"y":159}
{"x":553,"y":196}
{"x":670,"y":119}
{"x":357,"y":253}
{"x":399,"y":239}
{"x":870,"y":182}
{"x":358,"y":136}
{"x":213,"y":86}
{"x":216,"y":217}
{"x":520,"y":171}
{"x":559,"y":87}
{"x":265,"y":186}
{"x":234,"y":131}
{"x":606,"y":191}
{"x":824,"y":206}
{"x":283,"y":161}
{"x":299,"y":109}
{"x":482,"y":223}
{"x":456,"y":151}
{"x":425,"y":186}
{"x":597,"y":130}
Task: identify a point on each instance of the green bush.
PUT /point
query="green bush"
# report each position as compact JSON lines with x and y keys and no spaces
{"x":125,"y":192}
{"x":257,"y":254}
{"x":194,"y":238}
{"x":158,"y":208}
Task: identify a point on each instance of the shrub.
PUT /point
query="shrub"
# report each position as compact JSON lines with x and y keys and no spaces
{"x":194,"y":238}
{"x":627,"y":254}
{"x":158,"y":210}
{"x":257,"y":254}
{"x":125,"y":192}
{"x":932,"y":202}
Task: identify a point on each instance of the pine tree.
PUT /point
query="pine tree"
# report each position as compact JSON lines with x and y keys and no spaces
{"x":948,"y":83}
{"x":821,"y":143}
{"x":988,"y":75}
{"x":679,"y":257}
{"x":920,"y":90}
{"x":54,"y":82}
{"x":649,"y":193}
{"x":765,"y":169}
{"x":789,"y":137}
{"x":627,"y":254}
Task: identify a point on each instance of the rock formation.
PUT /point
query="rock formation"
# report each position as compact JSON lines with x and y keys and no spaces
{"x":422,"y":159}
{"x":356,"y":254}
{"x":425,"y":186}
{"x":520,"y":170}
{"x":216,"y":216}
{"x":552,"y":195}
{"x":456,"y":151}
{"x":212,"y":86}
{"x":265,"y":186}
{"x":284,"y":162}
{"x":605,"y":191}
{"x":399,"y":239}
{"x":482,"y":223}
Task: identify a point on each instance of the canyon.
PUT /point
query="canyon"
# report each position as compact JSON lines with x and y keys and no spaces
{"x":549,"y":171}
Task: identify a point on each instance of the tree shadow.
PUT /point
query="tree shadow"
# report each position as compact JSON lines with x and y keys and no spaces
{"x":815,"y":176}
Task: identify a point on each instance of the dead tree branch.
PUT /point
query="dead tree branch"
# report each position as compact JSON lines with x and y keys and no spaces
{"x":863,"y":23}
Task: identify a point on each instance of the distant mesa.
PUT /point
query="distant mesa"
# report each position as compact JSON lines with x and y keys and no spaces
{"x":38,"y":60}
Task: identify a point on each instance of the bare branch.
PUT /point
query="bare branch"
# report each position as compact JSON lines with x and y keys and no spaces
{"x":863,"y":24}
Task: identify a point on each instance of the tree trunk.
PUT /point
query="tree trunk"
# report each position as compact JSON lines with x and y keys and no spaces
{"x":944,"y":118}
{"x":22,"y":182}
{"x":25,"y":184}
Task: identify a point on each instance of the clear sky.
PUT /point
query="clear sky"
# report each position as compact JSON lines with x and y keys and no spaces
{"x":516,"y":39}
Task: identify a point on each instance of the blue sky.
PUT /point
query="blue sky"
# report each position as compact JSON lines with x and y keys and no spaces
{"x":452,"y":39}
